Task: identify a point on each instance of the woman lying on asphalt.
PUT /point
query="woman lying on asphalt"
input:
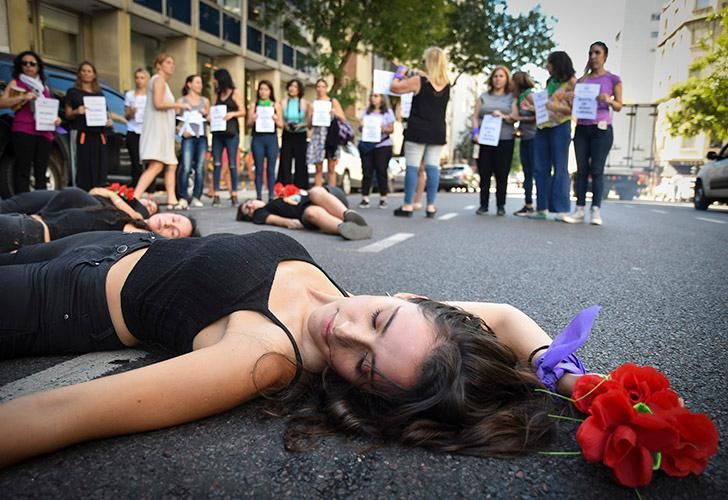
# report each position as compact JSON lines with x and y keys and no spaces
{"x":454,"y":377}
{"x":316,"y":208}
{"x":73,"y":211}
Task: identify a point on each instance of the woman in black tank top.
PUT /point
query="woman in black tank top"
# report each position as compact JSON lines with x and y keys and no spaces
{"x":382,"y":366}
{"x":228,"y":139}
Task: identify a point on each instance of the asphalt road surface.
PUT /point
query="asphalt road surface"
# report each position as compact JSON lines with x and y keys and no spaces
{"x":658,"y":271}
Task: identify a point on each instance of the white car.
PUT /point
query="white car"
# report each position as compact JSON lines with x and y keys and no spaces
{"x":348,"y":170}
{"x":712,"y":181}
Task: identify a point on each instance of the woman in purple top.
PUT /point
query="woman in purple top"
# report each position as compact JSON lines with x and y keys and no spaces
{"x":31,"y":145}
{"x":593,"y":138}
{"x":375,"y":156}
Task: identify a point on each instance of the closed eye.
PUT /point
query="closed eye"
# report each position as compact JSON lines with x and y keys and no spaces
{"x":374,"y":317}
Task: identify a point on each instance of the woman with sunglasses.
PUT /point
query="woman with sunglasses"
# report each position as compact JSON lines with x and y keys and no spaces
{"x":31,"y":146}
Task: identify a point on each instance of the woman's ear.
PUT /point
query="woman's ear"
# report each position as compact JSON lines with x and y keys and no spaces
{"x":408,"y":295}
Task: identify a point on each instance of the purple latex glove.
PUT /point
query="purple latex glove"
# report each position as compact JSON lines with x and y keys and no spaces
{"x":475,"y":133}
{"x":559,"y":358}
{"x":401,"y":70}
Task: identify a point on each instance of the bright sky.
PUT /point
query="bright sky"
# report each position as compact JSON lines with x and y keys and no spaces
{"x":578,"y":24}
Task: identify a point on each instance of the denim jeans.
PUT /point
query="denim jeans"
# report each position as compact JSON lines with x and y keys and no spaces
{"x":265,"y":147}
{"x":527,"y":160}
{"x":222,"y":141}
{"x":414,"y":153}
{"x":551,"y":151}
{"x":193,"y":157}
{"x":591,"y":147}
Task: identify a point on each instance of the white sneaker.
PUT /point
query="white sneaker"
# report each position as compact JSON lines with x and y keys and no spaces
{"x":575,"y":217}
{"x":196,"y":203}
{"x":596,"y":216}
{"x":561,"y":216}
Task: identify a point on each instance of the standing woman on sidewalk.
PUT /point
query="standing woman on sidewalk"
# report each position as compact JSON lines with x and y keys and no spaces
{"x":92,"y":155}
{"x":157,"y":140}
{"x":375,"y":155}
{"x":522,"y":86}
{"x":293,"y":143}
{"x":228,"y":139}
{"x":30,"y":145}
{"x":194,"y":141}
{"x":265,"y":144}
{"x":593,"y":138}
{"x":318,"y":149}
{"x":551,"y":169}
{"x":497,"y":101}
{"x":135,"y":101}
{"x":425,"y":133}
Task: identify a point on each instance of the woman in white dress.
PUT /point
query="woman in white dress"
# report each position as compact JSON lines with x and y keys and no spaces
{"x":156,"y":145}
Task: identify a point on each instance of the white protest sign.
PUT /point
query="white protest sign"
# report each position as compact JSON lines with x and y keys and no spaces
{"x":321,"y":113}
{"x":585,"y":101}
{"x":490,"y":128}
{"x":381,"y":82}
{"x":95,"y":107}
{"x":406,"y":102}
{"x":217,"y":118}
{"x":264,"y":119}
{"x":539,"y":104}
{"x":46,"y":112}
{"x":371,"y":128}
{"x":140,"y":103}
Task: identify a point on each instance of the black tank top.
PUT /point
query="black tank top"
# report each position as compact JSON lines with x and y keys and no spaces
{"x":426,"y":124}
{"x":181,"y":286}
{"x":232,"y":124}
{"x":82,"y":220}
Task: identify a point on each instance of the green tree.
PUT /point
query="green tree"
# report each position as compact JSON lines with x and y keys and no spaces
{"x":703,"y":101}
{"x":482,"y":34}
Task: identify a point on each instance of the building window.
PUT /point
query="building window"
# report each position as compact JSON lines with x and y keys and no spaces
{"x":655,"y":17}
{"x":702,"y":4}
{"x":698,"y":33}
{"x":209,"y":19}
{"x":181,"y":10}
{"x":230,"y":6}
{"x":255,"y":40}
{"x":654,"y":34}
{"x":60,"y":34}
{"x":271,"y":48}
{"x":231,"y":29}
{"x":288,"y":55}
{"x":300,"y":61}
{"x":205,"y":68}
{"x":155,"y":5}
{"x":143,"y":51}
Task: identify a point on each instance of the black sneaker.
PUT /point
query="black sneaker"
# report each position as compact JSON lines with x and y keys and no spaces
{"x":482,"y":211}
{"x":216,"y":201}
{"x":501,"y":211}
{"x":524,"y":212}
{"x":383,"y":204}
{"x":364,"y":204}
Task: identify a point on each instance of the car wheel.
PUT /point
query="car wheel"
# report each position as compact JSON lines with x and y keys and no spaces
{"x":345,"y":183}
{"x":56,"y":174}
{"x":699,"y":200}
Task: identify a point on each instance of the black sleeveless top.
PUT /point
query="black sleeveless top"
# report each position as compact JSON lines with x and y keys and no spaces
{"x":181,"y":286}
{"x":232,"y":124}
{"x":82,"y":220}
{"x":426,"y":124}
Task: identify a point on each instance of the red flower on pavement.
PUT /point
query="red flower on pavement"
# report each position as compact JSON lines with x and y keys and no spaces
{"x":290,"y":190}
{"x":115,"y":186}
{"x":278,"y":188}
{"x":589,"y":387}
{"x":642,"y":383}
{"x":698,"y":441}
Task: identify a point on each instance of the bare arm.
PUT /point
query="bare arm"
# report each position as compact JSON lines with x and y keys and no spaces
{"x":278,"y":115}
{"x":277,"y":220}
{"x":616,"y":103}
{"x":252,"y":116}
{"x":411,"y":84}
{"x":117,"y":200}
{"x":179,"y":390}
{"x":337,"y":109}
{"x":6,"y":101}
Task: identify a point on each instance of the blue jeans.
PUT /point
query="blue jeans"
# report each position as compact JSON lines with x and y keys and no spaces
{"x":551,"y":150}
{"x":591,"y":147}
{"x":193,"y":157}
{"x":414,"y":154}
{"x":527,"y":160}
{"x":230,"y":143}
{"x":265,"y":147}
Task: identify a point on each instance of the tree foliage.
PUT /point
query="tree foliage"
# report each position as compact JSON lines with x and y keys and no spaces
{"x":703,"y":101}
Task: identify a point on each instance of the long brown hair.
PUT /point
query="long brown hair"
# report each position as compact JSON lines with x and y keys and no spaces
{"x":474,"y":397}
{"x":505,"y":70}
{"x":521,"y":81}
{"x":95,"y":86}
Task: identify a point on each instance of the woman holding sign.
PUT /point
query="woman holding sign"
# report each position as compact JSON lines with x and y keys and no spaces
{"x":88,"y":116}
{"x":31,"y":140}
{"x":493,"y":130}
{"x":425,"y":133}
{"x":225,"y":131}
{"x":593,"y":137}
{"x":264,"y":116}
{"x":157,"y":141}
{"x":293,"y":140}
{"x":376,"y":147}
{"x":320,"y":115}
{"x":194,"y":139}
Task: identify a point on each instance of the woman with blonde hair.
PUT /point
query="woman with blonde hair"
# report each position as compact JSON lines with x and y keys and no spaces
{"x":498,"y":102}
{"x":156,"y":144}
{"x":425,"y":133}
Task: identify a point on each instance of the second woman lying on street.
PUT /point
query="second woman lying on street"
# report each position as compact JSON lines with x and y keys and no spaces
{"x":43,"y":216}
{"x":322,"y":208}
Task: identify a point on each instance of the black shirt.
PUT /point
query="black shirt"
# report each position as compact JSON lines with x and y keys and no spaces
{"x":282,"y":208}
{"x":426,"y":124}
{"x":74,"y":98}
{"x":232,"y":127}
{"x":81,"y":220}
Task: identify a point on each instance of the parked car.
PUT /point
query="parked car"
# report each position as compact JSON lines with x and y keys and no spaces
{"x":460,"y":176}
{"x":348,"y":169}
{"x":59,"y":79}
{"x":712,"y":182}
{"x":395,"y":172}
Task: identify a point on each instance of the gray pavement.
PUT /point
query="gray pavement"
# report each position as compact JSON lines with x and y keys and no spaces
{"x":658,"y":271}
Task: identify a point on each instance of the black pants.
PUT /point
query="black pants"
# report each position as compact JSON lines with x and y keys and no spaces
{"x":30,"y":149}
{"x":495,"y":160}
{"x":18,"y":230}
{"x":59,"y":306}
{"x":293,"y":147}
{"x":132,"y":144}
{"x":35,"y":202}
{"x":92,"y":160}
{"x":376,"y":161}
{"x":40,"y":253}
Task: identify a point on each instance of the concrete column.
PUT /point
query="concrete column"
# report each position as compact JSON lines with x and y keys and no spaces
{"x":236,"y":66}
{"x":111,"y":45}
{"x":184,"y":51}
{"x":20,"y":31}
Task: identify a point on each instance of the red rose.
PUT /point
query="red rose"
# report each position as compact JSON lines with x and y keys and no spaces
{"x":623,"y":439}
{"x":290,"y":190}
{"x":114,"y":186}
{"x":640,"y":382}
{"x":130,"y":194}
{"x":698,"y":441}
{"x":588,"y":388}
{"x":278,"y":188}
